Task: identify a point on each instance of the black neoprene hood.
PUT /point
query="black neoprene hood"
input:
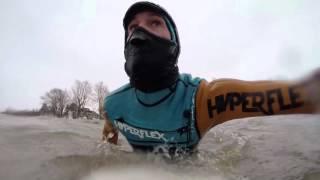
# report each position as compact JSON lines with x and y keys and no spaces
{"x":149,"y":6}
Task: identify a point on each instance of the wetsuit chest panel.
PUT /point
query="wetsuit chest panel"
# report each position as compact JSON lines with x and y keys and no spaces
{"x":143,"y":121}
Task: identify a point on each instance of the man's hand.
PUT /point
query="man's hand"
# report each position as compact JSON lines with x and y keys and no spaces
{"x":109,"y":133}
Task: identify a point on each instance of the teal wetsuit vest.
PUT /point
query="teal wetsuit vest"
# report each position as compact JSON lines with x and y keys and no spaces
{"x":162,"y":118}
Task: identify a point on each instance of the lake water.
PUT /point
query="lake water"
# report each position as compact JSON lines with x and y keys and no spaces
{"x":274,"y":147}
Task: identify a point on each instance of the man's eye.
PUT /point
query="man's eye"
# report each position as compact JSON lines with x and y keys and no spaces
{"x":132,"y":27}
{"x":155,"y":23}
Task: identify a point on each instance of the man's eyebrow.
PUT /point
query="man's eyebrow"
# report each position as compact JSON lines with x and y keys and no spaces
{"x":154,"y":14}
{"x":150,"y":14}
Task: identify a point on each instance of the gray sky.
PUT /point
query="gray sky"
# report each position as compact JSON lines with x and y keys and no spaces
{"x":50,"y":44}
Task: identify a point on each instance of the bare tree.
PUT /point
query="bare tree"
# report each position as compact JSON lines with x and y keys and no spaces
{"x":81,"y":94}
{"x":57,"y":100}
{"x":100,"y":92}
{"x":44,"y":110}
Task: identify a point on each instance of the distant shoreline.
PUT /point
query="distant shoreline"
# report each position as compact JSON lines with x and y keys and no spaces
{"x":22,"y":112}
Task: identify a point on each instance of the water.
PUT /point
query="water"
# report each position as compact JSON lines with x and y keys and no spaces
{"x":278,"y":147}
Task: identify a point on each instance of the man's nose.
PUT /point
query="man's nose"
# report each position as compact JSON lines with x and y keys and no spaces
{"x":138,"y":39}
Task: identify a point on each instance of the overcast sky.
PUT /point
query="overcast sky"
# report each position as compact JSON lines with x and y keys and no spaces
{"x":50,"y":44}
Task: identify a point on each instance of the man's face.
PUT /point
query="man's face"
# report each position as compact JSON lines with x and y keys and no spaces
{"x":151,"y":22}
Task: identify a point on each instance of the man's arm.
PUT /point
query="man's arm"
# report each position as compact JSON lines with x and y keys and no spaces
{"x":109,"y":133}
{"x":227,"y":99}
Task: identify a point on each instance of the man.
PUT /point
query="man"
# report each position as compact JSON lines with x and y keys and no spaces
{"x":162,"y":108}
